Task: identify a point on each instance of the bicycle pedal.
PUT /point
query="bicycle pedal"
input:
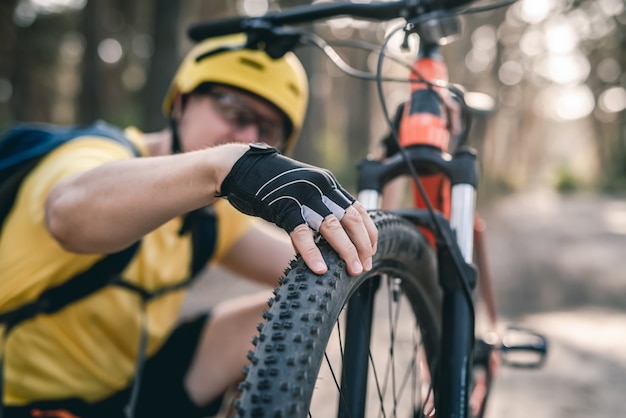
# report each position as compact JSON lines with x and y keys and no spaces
{"x":523,"y":348}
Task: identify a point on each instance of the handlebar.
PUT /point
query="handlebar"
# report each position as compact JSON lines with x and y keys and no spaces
{"x":378,"y":11}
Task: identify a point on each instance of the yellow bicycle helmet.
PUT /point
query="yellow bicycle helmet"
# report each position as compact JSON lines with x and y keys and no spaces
{"x":282,"y":82}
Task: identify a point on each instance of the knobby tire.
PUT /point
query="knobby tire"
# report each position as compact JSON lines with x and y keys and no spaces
{"x":302,"y":320}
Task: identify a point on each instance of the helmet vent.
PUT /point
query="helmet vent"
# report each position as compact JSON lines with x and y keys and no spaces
{"x":252,"y":63}
{"x":292,"y":87}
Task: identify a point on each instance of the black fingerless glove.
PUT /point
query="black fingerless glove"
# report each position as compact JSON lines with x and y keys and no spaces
{"x":283,"y":191}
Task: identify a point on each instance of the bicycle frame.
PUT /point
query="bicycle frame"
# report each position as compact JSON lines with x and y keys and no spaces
{"x":426,"y":145}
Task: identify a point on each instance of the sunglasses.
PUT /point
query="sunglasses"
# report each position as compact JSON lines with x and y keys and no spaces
{"x":239,"y":114}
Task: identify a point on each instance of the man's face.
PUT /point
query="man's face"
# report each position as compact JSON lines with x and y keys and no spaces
{"x":226,"y":115}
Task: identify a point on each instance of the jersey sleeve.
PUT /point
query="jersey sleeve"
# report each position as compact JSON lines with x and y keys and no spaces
{"x":77,"y":156}
{"x":31,"y":258}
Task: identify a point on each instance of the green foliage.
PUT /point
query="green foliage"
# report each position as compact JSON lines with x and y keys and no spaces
{"x":567,"y":181}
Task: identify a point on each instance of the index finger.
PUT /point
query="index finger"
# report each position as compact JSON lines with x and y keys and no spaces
{"x":302,"y":240}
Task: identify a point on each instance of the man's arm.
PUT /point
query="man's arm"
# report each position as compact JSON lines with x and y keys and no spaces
{"x":106,"y":209}
{"x":261,"y":254}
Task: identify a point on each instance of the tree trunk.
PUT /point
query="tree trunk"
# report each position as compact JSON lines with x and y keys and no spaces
{"x":89,"y":107}
{"x":164,"y":62}
{"x":8,"y":65}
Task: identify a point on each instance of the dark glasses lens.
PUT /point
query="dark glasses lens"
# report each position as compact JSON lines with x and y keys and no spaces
{"x":240,"y":115}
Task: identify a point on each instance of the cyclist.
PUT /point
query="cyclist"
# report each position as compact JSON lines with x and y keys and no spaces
{"x":89,"y":198}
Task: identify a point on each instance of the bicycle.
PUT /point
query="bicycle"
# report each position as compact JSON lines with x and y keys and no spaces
{"x":423,"y":269}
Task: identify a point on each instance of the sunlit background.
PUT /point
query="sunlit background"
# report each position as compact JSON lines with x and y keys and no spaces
{"x":548,"y":83}
{"x":551,"y":69}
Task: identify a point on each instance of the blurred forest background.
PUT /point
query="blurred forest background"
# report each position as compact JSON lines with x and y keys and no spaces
{"x":554,"y":69}
{"x":552,"y":73}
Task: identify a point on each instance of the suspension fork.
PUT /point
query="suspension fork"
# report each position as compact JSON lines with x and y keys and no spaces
{"x":457,"y":279}
{"x":454,"y":252}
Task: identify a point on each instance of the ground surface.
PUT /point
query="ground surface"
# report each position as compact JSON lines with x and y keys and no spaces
{"x":559,"y":264}
{"x":560,"y":267}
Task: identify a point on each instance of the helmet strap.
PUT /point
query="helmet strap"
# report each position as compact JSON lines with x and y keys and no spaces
{"x":176,"y":146}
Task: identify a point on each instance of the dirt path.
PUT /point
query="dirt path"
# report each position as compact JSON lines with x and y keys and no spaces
{"x":559,"y":265}
{"x":560,"y":268}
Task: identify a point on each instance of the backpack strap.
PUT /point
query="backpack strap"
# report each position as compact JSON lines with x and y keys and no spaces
{"x":102,"y":273}
{"x":10,"y":186}
{"x":203,"y":238}
{"x":52,"y":300}
{"x":107,"y":271}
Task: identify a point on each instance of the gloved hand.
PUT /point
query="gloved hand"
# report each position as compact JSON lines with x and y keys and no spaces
{"x":283,"y":191}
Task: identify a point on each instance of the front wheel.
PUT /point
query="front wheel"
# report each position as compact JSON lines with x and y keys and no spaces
{"x":314,"y":359}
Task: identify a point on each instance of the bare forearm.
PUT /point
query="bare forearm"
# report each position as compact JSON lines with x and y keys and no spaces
{"x":262,"y":255}
{"x":112,"y":206}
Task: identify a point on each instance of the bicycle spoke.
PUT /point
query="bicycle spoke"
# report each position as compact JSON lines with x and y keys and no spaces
{"x":399,"y":386}
{"x":393,"y":321}
{"x":390,"y":366}
{"x":411,"y":371}
{"x":376,"y":379}
{"x":342,"y":399}
{"x":398,"y":392}
{"x":380,"y":397}
{"x":392,"y":341}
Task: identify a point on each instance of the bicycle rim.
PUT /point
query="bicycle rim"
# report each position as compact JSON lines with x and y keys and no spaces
{"x":297,"y":367}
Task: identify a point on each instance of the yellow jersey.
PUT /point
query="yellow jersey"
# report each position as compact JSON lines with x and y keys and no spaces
{"x":89,"y":348}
